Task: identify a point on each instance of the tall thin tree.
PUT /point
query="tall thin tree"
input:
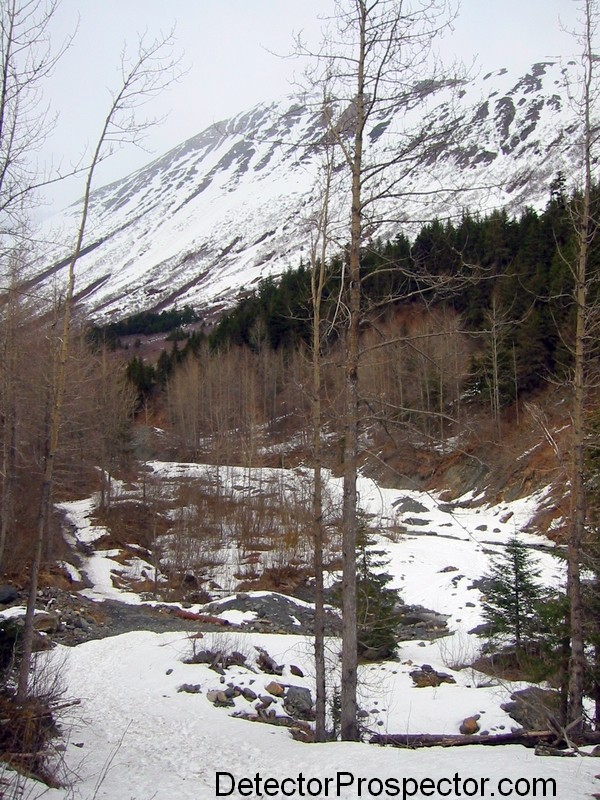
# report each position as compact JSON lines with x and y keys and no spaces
{"x":370,"y":66}
{"x":150,"y":71}
{"x":586,"y":227}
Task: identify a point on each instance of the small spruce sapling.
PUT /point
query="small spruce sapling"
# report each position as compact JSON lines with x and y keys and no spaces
{"x":377,"y":603}
{"x":514,"y":595}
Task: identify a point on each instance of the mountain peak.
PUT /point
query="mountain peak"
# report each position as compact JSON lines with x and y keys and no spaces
{"x":232,"y":204}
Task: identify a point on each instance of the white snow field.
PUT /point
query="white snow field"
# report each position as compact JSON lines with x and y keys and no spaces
{"x":134,"y":735}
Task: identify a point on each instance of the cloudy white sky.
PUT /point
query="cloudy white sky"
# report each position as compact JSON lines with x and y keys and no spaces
{"x":227,"y":49}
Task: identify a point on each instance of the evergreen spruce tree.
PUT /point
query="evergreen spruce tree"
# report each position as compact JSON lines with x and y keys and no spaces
{"x":514,"y":595}
{"x":376,"y":602}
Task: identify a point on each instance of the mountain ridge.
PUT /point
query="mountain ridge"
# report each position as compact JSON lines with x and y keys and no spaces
{"x":207,"y":220}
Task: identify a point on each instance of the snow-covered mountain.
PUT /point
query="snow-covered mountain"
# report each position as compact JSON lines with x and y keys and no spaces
{"x":233,"y":204}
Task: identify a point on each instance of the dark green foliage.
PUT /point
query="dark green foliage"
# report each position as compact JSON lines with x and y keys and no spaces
{"x":145,"y":376}
{"x":376,"y":602}
{"x":177,"y":335}
{"x":164,"y":368}
{"x":335,"y":711}
{"x":519,"y":266}
{"x":514,"y":271}
{"x":275,"y":315}
{"x":514,"y":596}
{"x":99,"y":337}
{"x":145,"y":323}
{"x":142,"y":376}
{"x":377,"y":605}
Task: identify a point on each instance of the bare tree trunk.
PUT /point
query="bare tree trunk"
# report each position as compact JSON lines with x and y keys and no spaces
{"x":373,"y":65}
{"x":578,"y":511}
{"x":349,"y":726}
{"x":9,"y":424}
{"x":319,"y":630}
{"x":585,"y":234}
{"x":495,"y":388}
{"x":143,"y":77}
{"x":55,"y":418}
{"x":318,"y":267}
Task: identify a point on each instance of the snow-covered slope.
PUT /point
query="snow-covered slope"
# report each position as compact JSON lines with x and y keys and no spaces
{"x":232,"y":204}
{"x":135,"y":734}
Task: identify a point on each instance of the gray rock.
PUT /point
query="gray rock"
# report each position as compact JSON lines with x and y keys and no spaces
{"x":534,"y":709}
{"x":266,"y":700}
{"x":427,"y":676}
{"x":46,"y":622}
{"x":8,"y":594}
{"x":298,"y":702}
{"x":223,"y":700}
{"x":408,"y":505}
{"x":190,"y":688}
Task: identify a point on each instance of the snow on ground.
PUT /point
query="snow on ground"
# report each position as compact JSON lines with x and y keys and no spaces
{"x":136,"y":736}
{"x":420,"y":544}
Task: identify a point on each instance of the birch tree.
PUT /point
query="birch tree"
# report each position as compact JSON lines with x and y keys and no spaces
{"x":27,"y":59}
{"x":147,"y":73}
{"x":584,"y":345}
{"x":372,"y":62}
{"x":318,"y":264}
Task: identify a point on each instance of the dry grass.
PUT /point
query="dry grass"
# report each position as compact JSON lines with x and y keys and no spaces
{"x":276,"y":579}
{"x":25,"y":731}
{"x":132,"y":522}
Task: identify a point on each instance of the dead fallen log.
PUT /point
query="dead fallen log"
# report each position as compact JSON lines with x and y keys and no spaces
{"x":525,"y":738}
{"x":207,"y":619}
{"x":66,"y":704}
{"x":415,"y":740}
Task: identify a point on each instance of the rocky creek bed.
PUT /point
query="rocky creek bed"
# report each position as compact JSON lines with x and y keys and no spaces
{"x":70,"y":618}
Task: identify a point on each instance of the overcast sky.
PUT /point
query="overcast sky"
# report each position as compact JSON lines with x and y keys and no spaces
{"x":227,"y":49}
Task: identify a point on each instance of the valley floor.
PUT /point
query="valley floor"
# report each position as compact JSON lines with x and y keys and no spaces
{"x":136,"y":735}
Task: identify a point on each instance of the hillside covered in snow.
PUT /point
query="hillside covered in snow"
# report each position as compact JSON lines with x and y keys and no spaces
{"x":235,"y":203}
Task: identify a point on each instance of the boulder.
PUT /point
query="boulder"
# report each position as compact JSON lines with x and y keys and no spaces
{"x":274,"y":688}
{"x":265,"y":701}
{"x":298,"y":703}
{"x":469,"y":725}
{"x":190,"y":688}
{"x":221,"y":699}
{"x":407,"y":505}
{"x":46,"y":622}
{"x":534,"y":709}
{"x":266,"y":663}
{"x":427,"y":676}
{"x":8,"y":594}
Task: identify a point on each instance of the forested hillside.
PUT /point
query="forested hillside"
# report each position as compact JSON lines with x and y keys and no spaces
{"x":472,"y":314}
{"x":388,"y":445}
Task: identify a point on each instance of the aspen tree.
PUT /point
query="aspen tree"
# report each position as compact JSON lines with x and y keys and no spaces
{"x":585,"y":227}
{"x":372,"y":60}
{"x":150,"y":71}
